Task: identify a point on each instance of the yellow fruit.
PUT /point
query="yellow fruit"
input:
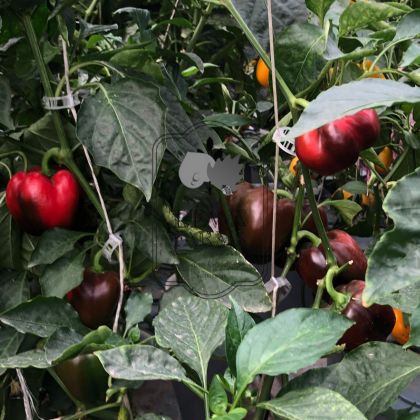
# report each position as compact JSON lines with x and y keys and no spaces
{"x":262,"y":73}
{"x":386,"y":158}
{"x":293,"y":165}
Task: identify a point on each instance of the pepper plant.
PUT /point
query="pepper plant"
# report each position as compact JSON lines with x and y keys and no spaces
{"x":101,"y":106}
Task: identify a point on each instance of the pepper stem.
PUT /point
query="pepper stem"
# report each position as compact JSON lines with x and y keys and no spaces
{"x":97,"y":266}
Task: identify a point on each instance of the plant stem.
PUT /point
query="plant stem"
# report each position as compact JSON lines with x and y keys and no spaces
{"x":42,"y":68}
{"x":20,"y":154}
{"x":309,"y":235}
{"x":317,"y":218}
{"x":229,"y":219}
{"x":90,"y":9}
{"x":340,"y":299}
{"x":85,"y":413}
{"x":179,"y":196}
{"x":264,"y":395}
{"x":199,"y":28}
{"x":60,"y":383}
{"x":319,"y":293}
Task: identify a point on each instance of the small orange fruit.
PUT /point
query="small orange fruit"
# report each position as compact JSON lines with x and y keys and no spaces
{"x":262,"y":73}
{"x":401,"y":331}
{"x":385,"y":156}
{"x":365,"y":66}
{"x":347,"y":195}
{"x":293,"y":165}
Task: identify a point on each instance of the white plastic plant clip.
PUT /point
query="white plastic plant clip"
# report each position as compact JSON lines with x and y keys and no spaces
{"x":113,"y":242}
{"x":53,"y":103}
{"x":285,"y":144}
{"x":282,"y":285}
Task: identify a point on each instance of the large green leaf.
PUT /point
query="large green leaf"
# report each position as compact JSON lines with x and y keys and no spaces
{"x":192,"y":328}
{"x":409,"y":26}
{"x":292,"y":340}
{"x":393,"y":264}
{"x":371,"y":376}
{"x":299,"y":54}
{"x":53,"y":244}
{"x":217,"y":272}
{"x":14,"y":289}
{"x":31,"y":358}
{"x":63,"y":275}
{"x":319,"y":7}
{"x":11,"y":240}
{"x":350,"y":98}
{"x":10,"y":341}
{"x":42,"y":316}
{"x":141,"y":363}
{"x":254,"y":13}
{"x":313,"y":403}
{"x":239,"y":323}
{"x":361,"y":14}
{"x":122,"y":126}
{"x":5,"y":103}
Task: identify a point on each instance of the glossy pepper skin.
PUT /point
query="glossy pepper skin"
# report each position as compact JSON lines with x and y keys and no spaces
{"x":336,"y":146}
{"x":85,"y":378}
{"x":252,"y":212}
{"x":311,"y":264}
{"x":37,"y":202}
{"x":96,"y":298}
{"x":371,"y":324}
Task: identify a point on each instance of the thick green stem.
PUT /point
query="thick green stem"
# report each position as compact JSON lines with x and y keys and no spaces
{"x":340,"y":299}
{"x":96,"y":265}
{"x":317,"y":218}
{"x":20,"y":154}
{"x":90,"y":9}
{"x":315,"y":240}
{"x":319,"y":293}
{"x":85,"y":413}
{"x":43,"y":72}
{"x":49,"y":154}
{"x":285,"y":194}
{"x":199,"y":28}
{"x":264,"y":395}
{"x":229,"y":219}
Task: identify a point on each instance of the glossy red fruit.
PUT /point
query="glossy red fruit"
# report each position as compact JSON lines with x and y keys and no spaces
{"x":96,"y":298}
{"x":371,"y":324}
{"x":311,"y":264}
{"x":252,"y":212}
{"x":37,"y":202}
{"x":336,"y":146}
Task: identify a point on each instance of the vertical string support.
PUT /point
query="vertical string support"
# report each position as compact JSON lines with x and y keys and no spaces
{"x":114,"y":239}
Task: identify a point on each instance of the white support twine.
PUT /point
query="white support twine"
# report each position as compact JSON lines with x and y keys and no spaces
{"x":114,"y":241}
{"x":28,"y":401}
{"x":276,"y":170}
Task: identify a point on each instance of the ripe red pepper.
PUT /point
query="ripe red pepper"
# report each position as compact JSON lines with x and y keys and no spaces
{"x":96,"y":298}
{"x":371,"y":324}
{"x":37,"y":202}
{"x":312,"y":265}
{"x":336,"y":145}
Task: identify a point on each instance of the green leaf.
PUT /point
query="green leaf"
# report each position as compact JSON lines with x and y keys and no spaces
{"x":319,"y":7}
{"x":348,"y":209}
{"x":137,"y":307}
{"x":11,"y":241}
{"x":141,"y":363}
{"x":393,"y":264}
{"x":122,"y":126}
{"x":371,"y":156}
{"x":53,"y":244}
{"x":42,"y":316}
{"x":192,"y":328}
{"x":350,"y":98}
{"x":153,"y":241}
{"x":411,"y":55}
{"x":355,"y":187}
{"x":408,"y":27}
{"x":10,"y":341}
{"x":220,"y":272}
{"x":14,"y":289}
{"x":226,"y":120}
{"x":414,"y":339}
{"x":362,"y":14}
{"x":300,"y":404}
{"x":237,"y":413}
{"x":271,"y":347}
{"x":66,"y":343}
{"x":369,"y":376}
{"x":63,"y":275}
{"x":5,"y":103}
{"x":239,"y":323}
{"x":218,"y":400}
{"x":303,"y":44}
{"x":254,"y":13}
{"x":31,"y":358}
